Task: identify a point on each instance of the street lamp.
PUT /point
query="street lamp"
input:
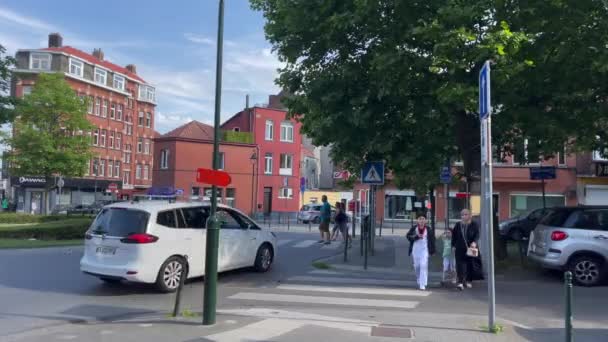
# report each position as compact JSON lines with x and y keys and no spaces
{"x":254,"y":159}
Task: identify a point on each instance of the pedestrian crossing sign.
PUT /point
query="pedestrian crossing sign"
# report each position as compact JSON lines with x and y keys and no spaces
{"x":373,"y":173}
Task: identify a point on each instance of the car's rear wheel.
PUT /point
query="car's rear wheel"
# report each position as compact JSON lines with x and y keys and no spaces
{"x":586,"y":270}
{"x":170,"y":274}
{"x":264,"y":258}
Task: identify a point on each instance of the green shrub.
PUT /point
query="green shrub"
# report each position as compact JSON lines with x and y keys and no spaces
{"x":57,"y":230}
{"x":19,"y":218}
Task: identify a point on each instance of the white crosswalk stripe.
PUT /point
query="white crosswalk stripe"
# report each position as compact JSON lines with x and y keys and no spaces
{"x":273,"y":297}
{"x":284,"y":242}
{"x":304,"y":244}
{"x":350,"y":281}
{"x":357,"y":290}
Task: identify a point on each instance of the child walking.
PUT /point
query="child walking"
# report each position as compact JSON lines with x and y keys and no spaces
{"x":449,"y":264}
{"x":422,"y":245}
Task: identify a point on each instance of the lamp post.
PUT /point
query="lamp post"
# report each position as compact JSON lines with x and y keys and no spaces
{"x":254,"y":159}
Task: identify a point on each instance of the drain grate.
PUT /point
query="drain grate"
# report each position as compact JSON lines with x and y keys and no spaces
{"x":383,"y":331}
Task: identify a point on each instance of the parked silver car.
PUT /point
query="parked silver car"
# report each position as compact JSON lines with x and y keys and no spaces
{"x":574,"y":239}
{"x":312,"y":213}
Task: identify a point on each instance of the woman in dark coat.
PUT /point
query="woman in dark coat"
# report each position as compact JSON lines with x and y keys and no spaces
{"x":464,"y":235}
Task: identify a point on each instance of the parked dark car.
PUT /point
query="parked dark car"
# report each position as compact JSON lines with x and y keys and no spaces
{"x":83,"y":209}
{"x":518,"y":228}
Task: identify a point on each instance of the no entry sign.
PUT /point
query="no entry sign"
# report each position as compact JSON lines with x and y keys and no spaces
{"x":213,"y":177}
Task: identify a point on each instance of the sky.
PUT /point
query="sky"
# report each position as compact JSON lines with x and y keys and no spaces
{"x":172,"y":43}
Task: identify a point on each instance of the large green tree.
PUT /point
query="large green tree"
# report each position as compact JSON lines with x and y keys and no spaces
{"x":51,"y":133}
{"x":6,"y":101}
{"x":397,"y":80}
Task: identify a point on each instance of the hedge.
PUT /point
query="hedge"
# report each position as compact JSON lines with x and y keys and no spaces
{"x":27,"y":218}
{"x":58,"y":230}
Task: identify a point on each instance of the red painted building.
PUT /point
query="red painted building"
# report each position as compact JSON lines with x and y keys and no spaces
{"x":121,"y":107}
{"x":278,"y":160}
{"x":179,"y":153}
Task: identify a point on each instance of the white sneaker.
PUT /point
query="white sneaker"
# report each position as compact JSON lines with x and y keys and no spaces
{"x":422,"y":288}
{"x":469,"y":286}
{"x":460,"y":287}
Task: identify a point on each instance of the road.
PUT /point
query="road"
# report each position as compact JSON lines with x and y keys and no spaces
{"x":46,"y":298}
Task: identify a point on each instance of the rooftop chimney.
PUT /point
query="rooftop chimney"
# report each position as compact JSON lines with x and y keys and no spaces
{"x":55,"y":40}
{"x":98,"y":53}
{"x":132,"y":68}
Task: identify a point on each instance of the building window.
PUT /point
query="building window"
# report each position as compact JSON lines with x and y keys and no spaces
{"x":286,"y":165}
{"x":97,"y":106}
{"x":146,"y":93}
{"x":90,"y":105}
{"x":118,"y":112}
{"x":119,"y":82}
{"x":164,"y":159}
{"x":118,"y":141}
{"x":110,"y":168}
{"x":287,"y":132}
{"x":40,"y":61}
{"x":286,"y":193}
{"x":236,"y":129}
{"x":146,"y":169}
{"x":138,"y":171}
{"x":127,"y":155}
{"x":140,"y":143}
{"x":112,"y":110}
{"x":196,"y":191}
{"x":95,"y":167}
{"x":525,"y":154}
{"x":147,"y":146}
{"x":102,"y":167}
{"x":76,"y":67}
{"x":87,"y":170}
{"x":398,"y":205}
{"x":599,"y":156}
{"x":111,"y":140}
{"x":523,"y":204}
{"x":140,"y":119}
{"x":148,"y":119}
{"x":101,"y":76}
{"x":231,"y":197}
{"x":117,"y":169}
{"x":96,"y":137}
{"x":102,"y":140}
{"x":269,"y":130}
{"x":104,"y":109}
{"x":129,"y":130}
{"x":222,"y":159}
{"x":268,"y":164}
{"x":561,"y":157}
{"x":126,"y":177}
{"x":26,"y":90}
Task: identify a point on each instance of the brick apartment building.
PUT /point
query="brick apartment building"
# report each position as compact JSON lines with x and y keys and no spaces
{"x":279,"y":152}
{"x":121,"y":107}
{"x":180,"y":152}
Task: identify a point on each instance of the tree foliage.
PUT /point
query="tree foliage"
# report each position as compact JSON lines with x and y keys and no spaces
{"x":397,"y":80}
{"x":6,"y":102}
{"x":51,"y":132}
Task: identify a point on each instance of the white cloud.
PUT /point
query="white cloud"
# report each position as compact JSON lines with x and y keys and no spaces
{"x":31,"y":23}
{"x":199,"y":39}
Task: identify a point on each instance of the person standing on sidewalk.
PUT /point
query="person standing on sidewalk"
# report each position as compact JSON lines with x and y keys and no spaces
{"x":422,"y":245}
{"x":464,"y":236}
{"x":325,"y":220}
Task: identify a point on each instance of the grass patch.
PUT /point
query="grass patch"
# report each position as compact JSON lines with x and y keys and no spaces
{"x":321,"y":265}
{"x":19,"y":243}
{"x":496,"y":329}
{"x":189,"y":313}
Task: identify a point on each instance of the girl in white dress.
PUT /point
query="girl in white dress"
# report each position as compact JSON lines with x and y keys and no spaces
{"x":422,"y":245}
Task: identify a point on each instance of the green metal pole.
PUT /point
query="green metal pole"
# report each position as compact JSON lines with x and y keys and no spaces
{"x":568,"y":286}
{"x":213,"y":229}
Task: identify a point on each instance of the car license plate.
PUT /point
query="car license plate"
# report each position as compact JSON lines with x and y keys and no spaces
{"x":106,"y":250}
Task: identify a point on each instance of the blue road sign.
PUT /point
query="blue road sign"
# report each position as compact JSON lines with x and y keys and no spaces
{"x":543,"y":172}
{"x":446,"y":175}
{"x":485,"y":106}
{"x":373,"y":173}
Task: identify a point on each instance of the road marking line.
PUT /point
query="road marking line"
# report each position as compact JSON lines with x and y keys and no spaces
{"x":259,"y":331}
{"x":356,"y":281}
{"x":304,"y":244}
{"x":273,"y":297}
{"x":334,"y":245}
{"x":283,"y":242}
{"x":359,"y":290}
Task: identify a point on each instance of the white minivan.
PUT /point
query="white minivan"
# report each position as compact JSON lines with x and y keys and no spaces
{"x":156,"y":242}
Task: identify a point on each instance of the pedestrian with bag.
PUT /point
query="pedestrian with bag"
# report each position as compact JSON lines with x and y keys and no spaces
{"x":464,"y":242}
{"x":325,"y":220}
{"x":422,"y":245}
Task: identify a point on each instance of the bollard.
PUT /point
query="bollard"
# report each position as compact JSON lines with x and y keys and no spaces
{"x":178,"y":294}
{"x":345,"y":243}
{"x":309,"y":226}
{"x":568,"y":322}
{"x":288,"y":222}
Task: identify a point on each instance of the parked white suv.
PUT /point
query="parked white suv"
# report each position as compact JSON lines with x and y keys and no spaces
{"x":156,"y":242}
{"x":574,"y":239}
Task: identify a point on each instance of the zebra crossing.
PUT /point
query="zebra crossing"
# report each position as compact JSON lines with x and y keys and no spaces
{"x":289,"y":243}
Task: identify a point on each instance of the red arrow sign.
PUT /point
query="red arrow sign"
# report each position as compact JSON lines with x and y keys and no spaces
{"x":213,"y":177}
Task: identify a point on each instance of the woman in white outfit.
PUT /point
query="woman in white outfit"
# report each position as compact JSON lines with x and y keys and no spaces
{"x":422,"y":245}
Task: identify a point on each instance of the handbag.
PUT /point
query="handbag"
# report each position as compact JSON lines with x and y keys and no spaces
{"x":472,"y":252}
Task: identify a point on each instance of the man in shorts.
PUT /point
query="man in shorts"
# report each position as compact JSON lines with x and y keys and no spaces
{"x":325,"y":220}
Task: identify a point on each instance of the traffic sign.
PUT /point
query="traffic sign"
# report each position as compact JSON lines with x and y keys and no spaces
{"x":302,"y":184}
{"x":213,"y":177}
{"x":341,"y":174}
{"x":179,"y":192}
{"x":446,"y":175}
{"x":373,"y":173}
{"x":485,"y":107}
{"x":542,"y":172}
{"x":111,"y":186}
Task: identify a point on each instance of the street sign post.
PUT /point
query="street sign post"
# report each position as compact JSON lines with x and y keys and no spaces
{"x":485,"y":111}
{"x":541,"y":173}
{"x":446,"y":178}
